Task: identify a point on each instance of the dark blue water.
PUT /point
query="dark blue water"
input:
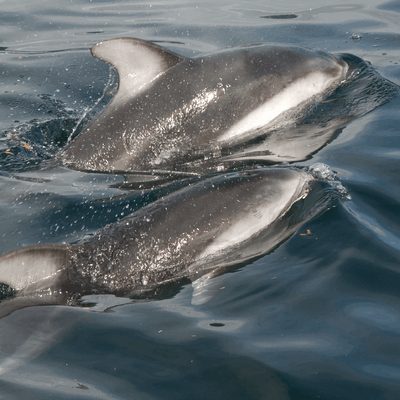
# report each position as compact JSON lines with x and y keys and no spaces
{"x":318,"y":318}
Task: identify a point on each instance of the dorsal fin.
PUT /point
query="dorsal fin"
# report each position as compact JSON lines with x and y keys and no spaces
{"x":138,"y":63}
{"x":27,"y":267}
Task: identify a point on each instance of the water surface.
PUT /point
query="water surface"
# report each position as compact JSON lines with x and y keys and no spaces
{"x":316,"y":318}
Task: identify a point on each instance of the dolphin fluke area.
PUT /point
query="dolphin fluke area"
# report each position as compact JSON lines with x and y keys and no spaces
{"x":212,"y":225}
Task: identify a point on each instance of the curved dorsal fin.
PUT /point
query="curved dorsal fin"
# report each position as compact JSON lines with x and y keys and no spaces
{"x":138,"y":63}
{"x":29,"y":266}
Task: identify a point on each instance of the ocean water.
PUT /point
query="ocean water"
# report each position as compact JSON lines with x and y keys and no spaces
{"x":317,"y":318}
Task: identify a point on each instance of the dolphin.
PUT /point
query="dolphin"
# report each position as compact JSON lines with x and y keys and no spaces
{"x":172,"y":113}
{"x":204,"y":228}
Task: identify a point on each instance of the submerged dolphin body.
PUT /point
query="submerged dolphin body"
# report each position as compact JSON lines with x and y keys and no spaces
{"x":171,"y":112}
{"x":204,"y":228}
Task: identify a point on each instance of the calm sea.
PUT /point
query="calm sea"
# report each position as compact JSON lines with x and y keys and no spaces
{"x":318,"y":318}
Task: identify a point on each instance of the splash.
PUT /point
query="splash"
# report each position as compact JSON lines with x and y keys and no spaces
{"x":324,"y":173}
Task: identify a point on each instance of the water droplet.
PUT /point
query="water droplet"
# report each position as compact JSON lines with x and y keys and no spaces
{"x":356,"y":36}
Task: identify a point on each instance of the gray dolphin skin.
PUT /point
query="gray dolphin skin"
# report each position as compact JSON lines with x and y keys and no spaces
{"x":171,"y":111}
{"x":206,"y":227}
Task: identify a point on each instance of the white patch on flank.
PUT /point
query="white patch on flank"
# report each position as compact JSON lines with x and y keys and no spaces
{"x":257,"y":219}
{"x":293,"y":95}
{"x":20,"y":270}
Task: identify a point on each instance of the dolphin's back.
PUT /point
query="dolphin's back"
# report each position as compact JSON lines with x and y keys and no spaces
{"x":183,"y":106}
{"x":207,"y":226}
{"x":214,"y":223}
